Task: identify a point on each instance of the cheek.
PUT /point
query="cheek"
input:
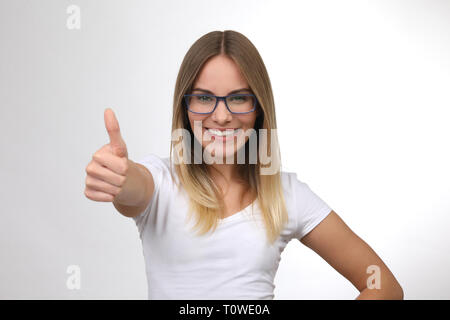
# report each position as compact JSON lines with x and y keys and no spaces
{"x":196,"y":118}
{"x":249,"y":124}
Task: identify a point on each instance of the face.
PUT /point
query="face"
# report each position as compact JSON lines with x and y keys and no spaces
{"x":220,"y":75}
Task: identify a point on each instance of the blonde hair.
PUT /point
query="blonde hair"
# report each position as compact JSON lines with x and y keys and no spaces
{"x":205,"y":196}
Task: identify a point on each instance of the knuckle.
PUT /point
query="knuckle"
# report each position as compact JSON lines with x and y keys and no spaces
{"x":91,"y":168}
{"x":89,"y":181}
{"x":119,"y":148}
{"x":97,"y":156}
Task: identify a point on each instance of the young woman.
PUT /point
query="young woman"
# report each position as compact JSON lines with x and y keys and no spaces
{"x":244,"y":214}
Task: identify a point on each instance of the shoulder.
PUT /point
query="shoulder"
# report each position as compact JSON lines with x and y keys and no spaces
{"x":160,"y":168}
{"x":295,"y":189}
{"x":305,"y":206}
{"x":151,"y":159}
{"x":291,"y":182}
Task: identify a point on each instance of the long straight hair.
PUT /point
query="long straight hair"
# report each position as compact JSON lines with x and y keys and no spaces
{"x":205,"y":199}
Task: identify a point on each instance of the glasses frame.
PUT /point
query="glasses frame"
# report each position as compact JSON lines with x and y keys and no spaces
{"x":218,"y":98}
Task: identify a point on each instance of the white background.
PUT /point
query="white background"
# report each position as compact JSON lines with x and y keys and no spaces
{"x":362,"y":98}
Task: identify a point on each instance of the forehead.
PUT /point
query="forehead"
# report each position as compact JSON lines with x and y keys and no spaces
{"x":220,"y":74}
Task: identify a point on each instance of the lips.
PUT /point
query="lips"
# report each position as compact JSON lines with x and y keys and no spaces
{"x":221,"y":133}
{"x":221,"y":129}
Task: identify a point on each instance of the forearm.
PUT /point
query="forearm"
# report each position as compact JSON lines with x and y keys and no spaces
{"x":134,"y":188}
{"x":391,"y":293}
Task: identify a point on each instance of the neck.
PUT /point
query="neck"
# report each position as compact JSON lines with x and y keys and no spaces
{"x":223,"y":171}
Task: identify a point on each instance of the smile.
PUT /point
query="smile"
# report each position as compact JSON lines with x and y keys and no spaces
{"x":221,"y":134}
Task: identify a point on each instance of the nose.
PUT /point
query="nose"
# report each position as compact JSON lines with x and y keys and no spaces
{"x":222,"y":114}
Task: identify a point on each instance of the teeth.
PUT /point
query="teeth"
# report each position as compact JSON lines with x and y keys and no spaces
{"x":221,"y":133}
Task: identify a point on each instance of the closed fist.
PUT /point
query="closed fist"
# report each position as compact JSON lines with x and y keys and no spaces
{"x":107,"y":171}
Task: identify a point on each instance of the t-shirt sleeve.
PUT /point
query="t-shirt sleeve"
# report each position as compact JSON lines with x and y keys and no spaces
{"x":156,"y":167}
{"x":309,"y":209}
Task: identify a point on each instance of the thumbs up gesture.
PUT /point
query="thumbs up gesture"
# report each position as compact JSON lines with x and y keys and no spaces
{"x":108,"y":169}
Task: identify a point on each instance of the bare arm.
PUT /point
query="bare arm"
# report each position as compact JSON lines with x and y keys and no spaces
{"x":348,"y":254}
{"x":137,"y":191}
{"x":112,"y":177}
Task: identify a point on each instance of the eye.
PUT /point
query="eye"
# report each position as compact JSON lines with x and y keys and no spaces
{"x":204,"y":98}
{"x":239,"y":98}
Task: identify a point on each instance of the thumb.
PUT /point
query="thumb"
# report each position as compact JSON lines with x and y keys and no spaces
{"x":116,"y":142}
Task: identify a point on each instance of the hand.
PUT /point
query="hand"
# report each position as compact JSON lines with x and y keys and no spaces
{"x":107,"y":171}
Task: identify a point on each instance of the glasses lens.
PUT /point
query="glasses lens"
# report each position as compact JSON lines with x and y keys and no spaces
{"x":201,"y":103}
{"x":240,"y":103}
{"x":204,"y":103}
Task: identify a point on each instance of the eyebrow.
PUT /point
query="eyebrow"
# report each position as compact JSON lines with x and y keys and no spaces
{"x":208,"y":91}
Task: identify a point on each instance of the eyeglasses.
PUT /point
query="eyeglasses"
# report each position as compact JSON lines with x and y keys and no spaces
{"x":239,"y":103}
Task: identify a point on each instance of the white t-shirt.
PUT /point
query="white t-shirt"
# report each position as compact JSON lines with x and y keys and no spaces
{"x":233,"y":263}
